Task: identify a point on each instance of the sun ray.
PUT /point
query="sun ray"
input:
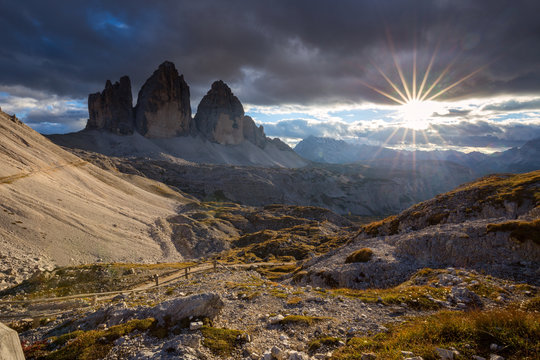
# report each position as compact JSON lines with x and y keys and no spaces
{"x":404,"y":134}
{"x":428,"y":70}
{"x":394,"y":86}
{"x":458,"y":82}
{"x":423,"y":132}
{"x":383,"y":145}
{"x":396,"y":63}
{"x":414,"y":71}
{"x":414,"y":152}
{"x":382,"y":92}
{"x":443,"y":73}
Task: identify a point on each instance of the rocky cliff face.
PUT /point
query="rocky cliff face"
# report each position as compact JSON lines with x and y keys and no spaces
{"x":163,"y":108}
{"x":163,"y":111}
{"x":253,"y":133}
{"x":220,"y":116}
{"x":112,"y":109}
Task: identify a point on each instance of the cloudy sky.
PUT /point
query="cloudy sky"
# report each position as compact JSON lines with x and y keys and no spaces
{"x":343,"y":69}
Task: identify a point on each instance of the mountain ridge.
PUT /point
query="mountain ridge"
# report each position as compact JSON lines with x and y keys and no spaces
{"x":329,"y":150}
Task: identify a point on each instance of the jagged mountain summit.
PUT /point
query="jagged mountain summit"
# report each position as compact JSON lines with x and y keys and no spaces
{"x":163,"y":109}
{"x":161,"y":125}
{"x":112,"y":109}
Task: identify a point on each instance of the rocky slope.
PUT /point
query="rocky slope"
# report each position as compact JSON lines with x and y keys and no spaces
{"x":489,"y":225}
{"x":238,"y":314}
{"x":58,"y":208}
{"x":181,"y":149}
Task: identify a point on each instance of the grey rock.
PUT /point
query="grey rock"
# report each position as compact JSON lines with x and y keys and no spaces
{"x":277,"y":353}
{"x":196,"y":325}
{"x":275,"y":319}
{"x":163,"y":107}
{"x":298,"y":355}
{"x":368,"y":356}
{"x":197,"y":306}
{"x":220,"y":116}
{"x":253,"y":133}
{"x":466,"y":296}
{"x":112,"y":109}
{"x":444,"y":354}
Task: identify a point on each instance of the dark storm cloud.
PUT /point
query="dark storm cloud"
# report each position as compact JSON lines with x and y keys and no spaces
{"x":271,"y":52}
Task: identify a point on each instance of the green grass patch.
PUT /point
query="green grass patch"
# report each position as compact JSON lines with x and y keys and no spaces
{"x":389,"y":225}
{"x":532,"y":304}
{"x":295,"y":300}
{"x":359,"y":256}
{"x":302,"y":320}
{"x":328,"y":341}
{"x":471,"y":333}
{"x":222,"y":342}
{"x":520,"y":230}
{"x":86,"y":345}
{"x":416,"y":297}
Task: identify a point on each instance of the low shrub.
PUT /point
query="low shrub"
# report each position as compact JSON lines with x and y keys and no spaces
{"x":362,"y":255}
{"x":471,"y":333}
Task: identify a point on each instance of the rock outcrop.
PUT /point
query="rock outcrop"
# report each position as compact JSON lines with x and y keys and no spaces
{"x":254,"y":133}
{"x":112,"y":109}
{"x":163,"y":109}
{"x":220,"y":116}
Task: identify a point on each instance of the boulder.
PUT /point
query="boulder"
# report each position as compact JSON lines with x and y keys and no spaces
{"x":174,"y":311}
{"x":10,"y":345}
{"x":444,"y":354}
{"x":163,"y":109}
{"x":220,"y":116}
{"x":112,"y":109}
{"x":207,"y":305}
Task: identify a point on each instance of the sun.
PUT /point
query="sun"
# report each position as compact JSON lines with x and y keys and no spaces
{"x":416,"y":99}
{"x":417,"y":113}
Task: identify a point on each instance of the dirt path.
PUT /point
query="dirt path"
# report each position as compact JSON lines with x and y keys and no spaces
{"x":10,"y":179}
{"x":103,"y":296}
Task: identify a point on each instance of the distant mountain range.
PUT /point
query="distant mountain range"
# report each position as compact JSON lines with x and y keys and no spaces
{"x":333,"y":151}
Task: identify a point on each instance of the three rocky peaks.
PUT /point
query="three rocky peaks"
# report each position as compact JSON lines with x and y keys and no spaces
{"x":163,"y":110}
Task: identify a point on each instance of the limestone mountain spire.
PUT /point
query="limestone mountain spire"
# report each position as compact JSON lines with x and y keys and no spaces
{"x":112,"y":109}
{"x":163,"y":106}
